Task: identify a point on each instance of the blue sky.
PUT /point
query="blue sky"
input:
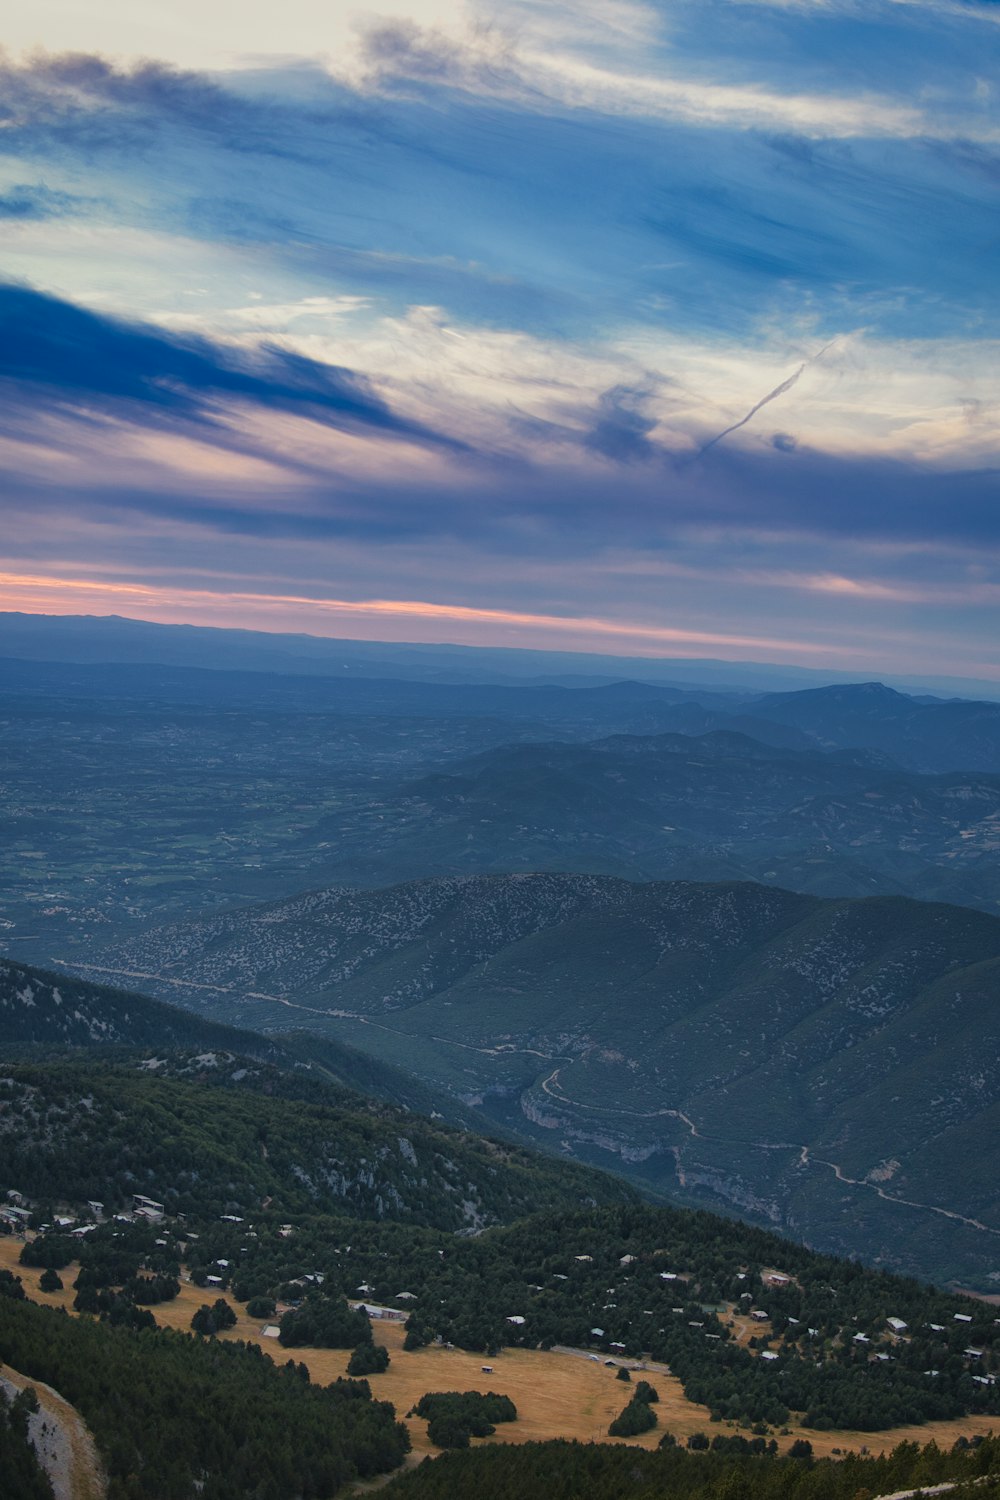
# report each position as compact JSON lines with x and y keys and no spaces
{"x":666,"y":328}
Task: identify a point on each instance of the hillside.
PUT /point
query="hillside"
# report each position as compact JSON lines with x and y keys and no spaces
{"x":212,"y":1133}
{"x":927,"y":735}
{"x":731,"y":1044}
{"x":44,"y":1014}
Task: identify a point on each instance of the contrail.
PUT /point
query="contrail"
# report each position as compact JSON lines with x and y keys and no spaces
{"x":779,"y":390}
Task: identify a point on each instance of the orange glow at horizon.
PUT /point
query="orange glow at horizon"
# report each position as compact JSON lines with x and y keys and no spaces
{"x":37,"y":594}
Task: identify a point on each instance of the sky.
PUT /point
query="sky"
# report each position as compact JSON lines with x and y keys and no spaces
{"x":651,"y":329}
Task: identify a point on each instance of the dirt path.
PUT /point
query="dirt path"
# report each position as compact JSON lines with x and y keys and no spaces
{"x":61,"y":1440}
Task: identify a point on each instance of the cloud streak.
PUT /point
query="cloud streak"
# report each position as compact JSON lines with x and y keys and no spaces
{"x":59,"y":357}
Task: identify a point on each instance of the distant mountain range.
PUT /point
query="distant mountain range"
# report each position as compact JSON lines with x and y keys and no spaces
{"x":822,"y":1066}
{"x":921,"y":734}
{"x":116,"y":638}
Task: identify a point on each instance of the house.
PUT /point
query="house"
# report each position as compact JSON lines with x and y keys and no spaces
{"x":146,"y":1208}
{"x":597,"y":1333}
{"x":17,"y":1216}
{"x":758,"y":1316}
{"x":861,"y":1338}
{"x":486,"y":1369}
{"x":97,"y":1209}
{"x":897,"y":1325}
{"x":627,"y":1260}
{"x":616,"y":1344}
{"x":973,"y":1353}
{"x":270,"y":1331}
{"x":963,"y":1317}
{"x":777,"y":1278}
{"x":583,"y":1257}
{"x":768,"y":1354}
{"x":516,"y":1319}
{"x":406,"y":1296}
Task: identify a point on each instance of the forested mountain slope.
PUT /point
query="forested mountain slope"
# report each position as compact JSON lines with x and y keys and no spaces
{"x":44,"y":1014}
{"x":816,"y":1064}
{"x":217,"y":1135}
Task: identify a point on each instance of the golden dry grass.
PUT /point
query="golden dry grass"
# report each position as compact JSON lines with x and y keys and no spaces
{"x":557,"y":1395}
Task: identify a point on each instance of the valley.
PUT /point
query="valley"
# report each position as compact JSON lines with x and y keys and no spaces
{"x":729,"y":1045}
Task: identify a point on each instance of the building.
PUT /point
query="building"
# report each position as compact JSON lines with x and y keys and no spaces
{"x":386,"y":1314}
{"x":146,"y":1208}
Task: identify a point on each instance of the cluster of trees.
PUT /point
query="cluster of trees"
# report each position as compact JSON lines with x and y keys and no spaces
{"x":174,"y":1416}
{"x":110,"y":1283}
{"x":22,"y":1477}
{"x":368,"y":1359}
{"x":212,"y":1318}
{"x":638,"y":1416}
{"x":563,"y":1470}
{"x":326,"y":1323}
{"x":453,"y":1417}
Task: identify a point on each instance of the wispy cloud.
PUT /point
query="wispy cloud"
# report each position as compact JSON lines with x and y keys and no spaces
{"x":58,"y":357}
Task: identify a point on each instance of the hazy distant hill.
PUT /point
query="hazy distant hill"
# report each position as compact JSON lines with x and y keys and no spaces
{"x":719,"y":806}
{"x":924,"y":735}
{"x":811,"y":1063}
